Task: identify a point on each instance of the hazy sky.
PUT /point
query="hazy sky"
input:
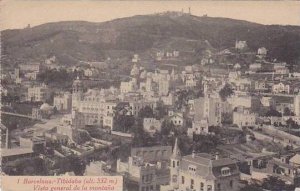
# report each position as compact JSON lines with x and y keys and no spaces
{"x":19,"y":13}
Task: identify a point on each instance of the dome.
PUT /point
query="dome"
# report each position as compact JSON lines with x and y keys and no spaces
{"x":46,"y":107}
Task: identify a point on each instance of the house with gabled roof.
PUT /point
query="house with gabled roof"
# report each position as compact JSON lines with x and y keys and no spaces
{"x":202,"y":171}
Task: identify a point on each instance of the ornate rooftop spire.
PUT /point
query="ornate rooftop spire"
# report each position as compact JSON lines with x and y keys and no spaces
{"x":176,"y":151}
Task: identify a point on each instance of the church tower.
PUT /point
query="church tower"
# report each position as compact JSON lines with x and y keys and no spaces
{"x":175,"y":165}
{"x":77,"y":93}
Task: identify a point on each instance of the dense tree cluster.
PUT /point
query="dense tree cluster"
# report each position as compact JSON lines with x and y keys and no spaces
{"x":226,"y":91}
{"x":271,"y":183}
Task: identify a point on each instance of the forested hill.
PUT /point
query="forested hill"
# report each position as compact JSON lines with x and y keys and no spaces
{"x":79,"y":40}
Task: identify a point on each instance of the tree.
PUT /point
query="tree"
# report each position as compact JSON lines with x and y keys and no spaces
{"x":167,"y":127}
{"x":275,"y":184}
{"x":227,"y":118}
{"x":50,"y":99}
{"x":287,"y":112}
{"x":77,"y":165}
{"x":122,"y":121}
{"x":80,"y":136}
{"x":273,"y":112}
{"x":225,"y":92}
{"x":146,"y":112}
{"x":205,"y":143}
{"x":160,"y":111}
{"x":291,"y":124}
{"x":25,"y":166}
{"x":251,"y":188}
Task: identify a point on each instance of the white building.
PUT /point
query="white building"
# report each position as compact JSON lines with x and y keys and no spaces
{"x":192,"y":82}
{"x":137,"y":105}
{"x":33,"y":67}
{"x":96,"y":168}
{"x":151,"y":125}
{"x":240,"y":45}
{"x":163,"y":86}
{"x":38,"y":93}
{"x":135,"y":58}
{"x":200,"y":127}
{"x":281,"y":88}
{"x":168,"y":100}
{"x":130,"y":86}
{"x":262,"y":51}
{"x":31,"y":75}
{"x":202,"y":172}
{"x":176,"y":118}
{"x":255,"y":67}
{"x":208,"y":108}
{"x":135,"y":71}
{"x":94,"y":104}
{"x":297,"y":105}
{"x":77,"y":93}
{"x":244,"y":118}
{"x":108,"y":121}
{"x":267,"y":101}
{"x":90,"y":72}
{"x":147,"y":166}
{"x":63,"y":101}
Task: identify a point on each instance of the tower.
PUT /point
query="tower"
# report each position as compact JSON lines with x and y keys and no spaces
{"x":297,"y":105}
{"x":77,"y":92}
{"x":175,"y":165}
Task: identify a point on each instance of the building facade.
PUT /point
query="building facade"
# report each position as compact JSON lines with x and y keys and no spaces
{"x":202,"y":172}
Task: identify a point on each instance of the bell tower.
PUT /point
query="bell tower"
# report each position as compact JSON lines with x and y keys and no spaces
{"x":77,"y":93}
{"x":175,"y":165}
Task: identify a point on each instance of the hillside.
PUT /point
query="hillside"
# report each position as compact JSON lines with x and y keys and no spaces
{"x":78,"y":40}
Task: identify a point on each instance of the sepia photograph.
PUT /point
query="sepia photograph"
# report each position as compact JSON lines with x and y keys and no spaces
{"x":150,"y":95}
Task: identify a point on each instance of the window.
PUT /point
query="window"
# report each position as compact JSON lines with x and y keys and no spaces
{"x":182,"y":180}
{"x":209,"y":188}
{"x":177,"y":163}
{"x":173,"y":164}
{"x":225,"y":171}
{"x":192,"y":169}
{"x":192,"y":183}
{"x":174,"y":178}
{"x":143,"y":178}
{"x":219,"y":186}
{"x":201,"y":186}
{"x":231,"y":183}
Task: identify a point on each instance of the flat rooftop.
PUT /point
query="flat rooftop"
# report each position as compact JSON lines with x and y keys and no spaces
{"x":15,"y":151}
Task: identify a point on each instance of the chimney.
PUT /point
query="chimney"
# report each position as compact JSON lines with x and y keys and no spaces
{"x":217,"y":156}
{"x":193,"y":153}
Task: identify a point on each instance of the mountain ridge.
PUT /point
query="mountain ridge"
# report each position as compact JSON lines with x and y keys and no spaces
{"x":91,"y":40}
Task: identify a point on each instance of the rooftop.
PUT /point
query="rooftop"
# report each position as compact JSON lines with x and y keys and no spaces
{"x":209,"y":167}
{"x":15,"y":151}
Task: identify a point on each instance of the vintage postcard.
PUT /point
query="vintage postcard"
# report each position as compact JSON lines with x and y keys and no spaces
{"x":150,"y":95}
